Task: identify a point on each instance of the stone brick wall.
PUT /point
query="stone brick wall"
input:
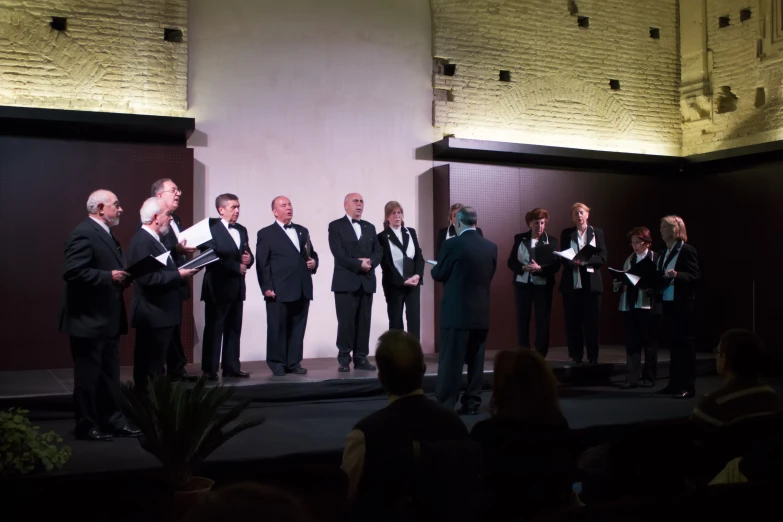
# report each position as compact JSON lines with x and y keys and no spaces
{"x":560,"y":56}
{"x":111,"y":57}
{"x":744,"y":102}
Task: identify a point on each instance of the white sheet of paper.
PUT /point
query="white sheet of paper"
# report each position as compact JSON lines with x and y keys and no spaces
{"x":617,"y":270}
{"x":633,"y":278}
{"x":163,"y":259}
{"x":430,"y":261}
{"x":568,"y":253}
{"x":196,"y":235}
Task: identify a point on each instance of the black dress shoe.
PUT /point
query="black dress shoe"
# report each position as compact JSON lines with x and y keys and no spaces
{"x":183,"y":377}
{"x":364,"y":365}
{"x":343,"y":368}
{"x":468,"y":411}
{"x":95,"y":435}
{"x":628,"y":386}
{"x":126,"y":432}
{"x":684,"y":395}
{"x":576,"y":361}
{"x":593,"y":361}
{"x":668,"y":390}
{"x":211,"y":376}
{"x":236,"y":375}
{"x":646,"y":384}
{"x":278,"y":373}
{"x":298,"y":371}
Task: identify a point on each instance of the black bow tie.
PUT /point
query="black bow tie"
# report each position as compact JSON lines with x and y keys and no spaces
{"x":290,"y":225}
{"x":355,"y":220}
{"x":231,"y":225}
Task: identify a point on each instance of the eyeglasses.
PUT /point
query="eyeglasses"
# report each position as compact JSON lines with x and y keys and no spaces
{"x":637,"y":243}
{"x":173,"y":191}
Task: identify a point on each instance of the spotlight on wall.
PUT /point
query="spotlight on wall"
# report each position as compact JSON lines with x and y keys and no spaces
{"x":172,"y":35}
{"x":59,"y":23}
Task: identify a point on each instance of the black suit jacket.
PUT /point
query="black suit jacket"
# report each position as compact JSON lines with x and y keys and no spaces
{"x":515,"y":266}
{"x":591,"y":281}
{"x":280,"y":267}
{"x":170,"y":242}
{"x":410,"y":266}
{"x":442,"y":238}
{"x":688,"y":273}
{"x":223,"y":280}
{"x":92,"y":304}
{"x":346,"y":249}
{"x":466,"y":266}
{"x":156,"y":298}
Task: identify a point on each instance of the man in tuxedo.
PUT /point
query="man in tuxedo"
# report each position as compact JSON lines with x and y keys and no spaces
{"x":223,"y":290}
{"x":285,"y":266}
{"x":466,"y":266}
{"x":93,"y":315}
{"x":156,"y":309}
{"x":356,"y":252}
{"x":168,"y":194}
{"x":449,"y":232}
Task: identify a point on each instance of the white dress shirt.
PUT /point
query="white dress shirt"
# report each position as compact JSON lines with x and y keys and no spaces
{"x":668,"y":294}
{"x":291,"y":233}
{"x":103,"y":225}
{"x":234,"y":233}
{"x":397,"y":255}
{"x":448,"y":232}
{"x":152,"y":233}
{"x":175,"y":228}
{"x":357,"y":228}
{"x":581,"y":241}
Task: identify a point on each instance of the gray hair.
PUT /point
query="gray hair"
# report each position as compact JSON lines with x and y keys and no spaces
{"x":157,"y":187}
{"x":149,"y":209}
{"x":98,"y":197}
{"x":222,"y":199}
{"x":467,"y":216}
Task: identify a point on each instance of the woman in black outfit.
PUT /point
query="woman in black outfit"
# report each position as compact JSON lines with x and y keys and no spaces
{"x":402,"y":265}
{"x":534,"y":282}
{"x":677,"y":277}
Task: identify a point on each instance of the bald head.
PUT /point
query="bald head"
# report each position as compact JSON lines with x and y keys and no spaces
{"x":400,"y":362}
{"x":354,"y":205}
{"x":103,"y":205}
{"x":282,"y":209}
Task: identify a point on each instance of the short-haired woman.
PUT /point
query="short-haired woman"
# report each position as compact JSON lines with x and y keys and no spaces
{"x":636,"y":301}
{"x":581,"y":285}
{"x":677,"y":277}
{"x":533,"y":283}
{"x":402,"y":264}
{"x":449,"y":232}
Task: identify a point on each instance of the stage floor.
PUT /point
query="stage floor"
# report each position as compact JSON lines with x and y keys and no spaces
{"x":323,"y":381}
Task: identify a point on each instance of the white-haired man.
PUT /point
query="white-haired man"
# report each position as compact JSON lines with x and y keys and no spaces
{"x":156,"y":309}
{"x":93,"y":315}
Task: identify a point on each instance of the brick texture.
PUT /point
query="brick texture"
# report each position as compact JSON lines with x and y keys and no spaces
{"x":559,"y":93}
{"x":735,"y":64}
{"x":112,"y":57}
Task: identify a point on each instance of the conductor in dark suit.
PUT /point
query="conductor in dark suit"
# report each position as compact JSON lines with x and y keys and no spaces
{"x":356,"y":252}
{"x":156,"y":309}
{"x":169,"y":194}
{"x":285,"y":264}
{"x":449,"y":232}
{"x":678,"y":276}
{"x":223,"y":290}
{"x":466,"y":266}
{"x":93,"y":316}
{"x":402,"y":265}
{"x":581,"y":286}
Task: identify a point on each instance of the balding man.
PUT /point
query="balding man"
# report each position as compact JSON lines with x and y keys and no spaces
{"x":285,"y":264}
{"x":356,"y":252}
{"x":93,"y":315}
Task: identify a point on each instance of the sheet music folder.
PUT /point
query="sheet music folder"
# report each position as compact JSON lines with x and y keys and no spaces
{"x":644,"y":270}
{"x":203,"y":259}
{"x":144,"y":267}
{"x":583,"y":255}
{"x":544,"y":255}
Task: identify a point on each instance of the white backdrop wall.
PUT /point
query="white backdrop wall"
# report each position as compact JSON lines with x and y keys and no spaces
{"x":311,"y":99}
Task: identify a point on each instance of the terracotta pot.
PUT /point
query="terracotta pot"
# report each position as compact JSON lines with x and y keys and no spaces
{"x":194,"y":491}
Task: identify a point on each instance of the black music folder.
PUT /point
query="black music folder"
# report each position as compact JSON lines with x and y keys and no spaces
{"x":203,"y":259}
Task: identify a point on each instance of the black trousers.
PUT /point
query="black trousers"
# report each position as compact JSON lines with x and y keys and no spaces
{"x":641,"y":338}
{"x":175,"y":355}
{"x":149,"y":354}
{"x":527,"y":297}
{"x":285,"y":331}
{"x":354,"y":312}
{"x":678,"y":331}
{"x":222,"y":328}
{"x":96,"y":384}
{"x":408,"y":297}
{"x":458,"y":347}
{"x":580,"y":309}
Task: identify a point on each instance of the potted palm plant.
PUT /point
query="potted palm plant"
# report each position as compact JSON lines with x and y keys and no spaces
{"x":182,"y":426}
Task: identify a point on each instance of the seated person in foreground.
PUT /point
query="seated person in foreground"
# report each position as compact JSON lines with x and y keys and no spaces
{"x":526,"y":444}
{"x":249,"y":501}
{"x":373,"y":447}
{"x":743,"y":394}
